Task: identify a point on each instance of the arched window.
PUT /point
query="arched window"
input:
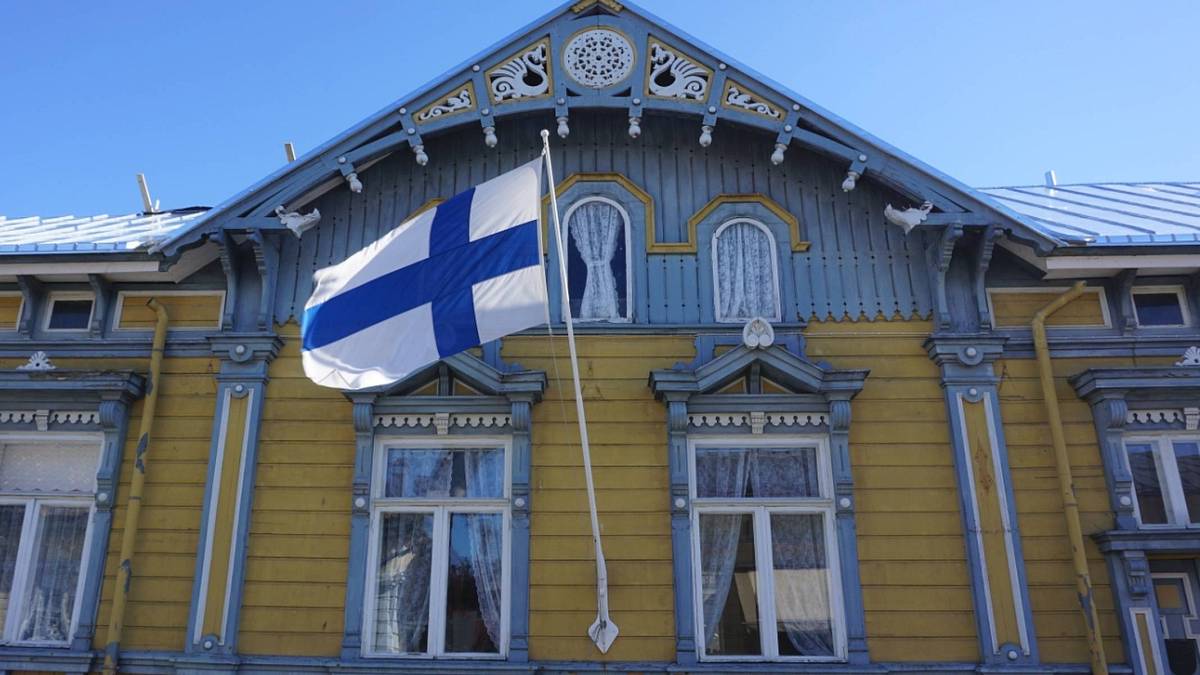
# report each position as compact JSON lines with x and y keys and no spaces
{"x":745,"y":279}
{"x":598,"y":260}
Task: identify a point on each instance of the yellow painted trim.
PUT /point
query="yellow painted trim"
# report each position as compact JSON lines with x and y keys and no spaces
{"x":729,"y":84}
{"x":487,"y":76}
{"x":793,"y":223}
{"x":429,"y":204}
{"x":1147,"y":642}
{"x":584,"y":4}
{"x":650,"y":42}
{"x":469,"y":85}
{"x":629,"y":186}
{"x":1005,"y":619}
{"x":222,"y":533}
{"x":20,"y":305}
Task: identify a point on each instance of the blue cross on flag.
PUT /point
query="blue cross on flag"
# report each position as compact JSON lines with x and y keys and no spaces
{"x":452,"y":278}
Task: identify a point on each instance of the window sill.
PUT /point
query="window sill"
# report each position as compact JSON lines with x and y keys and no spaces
{"x":59,"y":659}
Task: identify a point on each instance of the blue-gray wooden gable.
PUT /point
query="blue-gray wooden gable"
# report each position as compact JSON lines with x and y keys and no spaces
{"x":858,"y":266}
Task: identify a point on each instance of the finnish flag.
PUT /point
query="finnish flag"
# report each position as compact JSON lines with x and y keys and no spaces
{"x":456,"y":276}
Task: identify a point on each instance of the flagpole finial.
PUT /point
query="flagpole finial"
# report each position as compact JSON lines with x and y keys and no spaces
{"x":545,"y":134}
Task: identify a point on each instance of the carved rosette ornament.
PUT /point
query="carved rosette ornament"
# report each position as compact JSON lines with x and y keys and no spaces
{"x":738,"y":97}
{"x":461,"y":99}
{"x":598,"y":58}
{"x":524,"y":75}
{"x":673,"y":75}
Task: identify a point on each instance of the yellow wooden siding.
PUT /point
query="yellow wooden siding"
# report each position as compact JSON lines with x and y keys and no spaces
{"x":187,"y":311}
{"x":1057,"y":619}
{"x":299,"y":539}
{"x":10,"y":310}
{"x":165,"y":554}
{"x":912,"y":558}
{"x":1011,"y":309}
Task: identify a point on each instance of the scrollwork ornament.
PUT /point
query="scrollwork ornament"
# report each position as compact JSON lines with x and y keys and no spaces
{"x":523,"y":76}
{"x":598,"y":58}
{"x":458,"y":101}
{"x":675,"y":76}
{"x":737,"y":96}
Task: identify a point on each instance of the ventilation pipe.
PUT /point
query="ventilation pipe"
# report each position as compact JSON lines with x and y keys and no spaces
{"x":116,"y":619}
{"x":1066,"y":483}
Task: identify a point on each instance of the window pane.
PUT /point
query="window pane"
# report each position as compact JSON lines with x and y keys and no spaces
{"x":1144,"y":467}
{"x":70,"y":314}
{"x":12,"y":517}
{"x":402,"y":593}
{"x":42,"y":467}
{"x":54,"y":575}
{"x":757,"y":472}
{"x":804,"y":621}
{"x":474,"y":473}
{"x":596,"y":262}
{"x":474,"y":583}
{"x":745,"y":273}
{"x":1187,"y":457}
{"x":729,"y":585}
{"x":1158,"y":309}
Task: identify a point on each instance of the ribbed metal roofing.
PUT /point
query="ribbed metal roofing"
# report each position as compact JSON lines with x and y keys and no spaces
{"x":92,"y":234}
{"x":1109,"y":214}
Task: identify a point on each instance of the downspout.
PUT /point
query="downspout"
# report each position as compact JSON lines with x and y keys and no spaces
{"x":116,"y":619}
{"x":1066,"y":483}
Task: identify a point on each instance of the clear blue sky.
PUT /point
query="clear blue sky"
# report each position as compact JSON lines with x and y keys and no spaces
{"x":200,"y":96}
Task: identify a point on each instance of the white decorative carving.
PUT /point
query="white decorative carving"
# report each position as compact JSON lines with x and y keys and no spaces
{"x":480,"y":421}
{"x":458,"y":101}
{"x":908,"y":218}
{"x":563,"y":129}
{"x":758,"y":334}
{"x":441,"y":422}
{"x":1191,"y":418}
{"x":1160,"y":416}
{"x":706,"y":135}
{"x":797,"y":419}
{"x":41,"y":418}
{"x":635,"y":127}
{"x":777,"y":155}
{"x":75,"y":417}
{"x":851,"y":181}
{"x":718,"y":420}
{"x":355,"y":184}
{"x":756,"y":420}
{"x":403,"y":421}
{"x":297,"y":222}
{"x":419,"y":154}
{"x":673,"y":75}
{"x":598,"y":58}
{"x":16,"y":416}
{"x":737,"y":96}
{"x":38,"y":360}
{"x":1191,"y":357}
{"x":489,"y":136}
{"x":523,"y":76}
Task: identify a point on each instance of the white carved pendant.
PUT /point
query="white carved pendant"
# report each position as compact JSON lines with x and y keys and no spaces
{"x":598,"y":57}
{"x":460,"y":100}
{"x":524,"y":75}
{"x":673,"y":75}
{"x":738,"y":97}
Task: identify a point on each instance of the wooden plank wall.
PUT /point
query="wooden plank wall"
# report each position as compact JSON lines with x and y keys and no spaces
{"x":1058,"y":621}
{"x":165,"y":554}
{"x":858,"y":267}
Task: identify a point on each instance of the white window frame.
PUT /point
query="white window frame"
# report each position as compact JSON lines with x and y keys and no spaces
{"x":1174,"y":501}
{"x":441,"y":508}
{"x":566,"y":226}
{"x":761,"y":510}
{"x":1180,"y":296}
{"x":34,"y":501}
{"x":716,"y":282}
{"x":68,"y":295}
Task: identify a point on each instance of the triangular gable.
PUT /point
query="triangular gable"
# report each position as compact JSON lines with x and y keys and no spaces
{"x":725,"y":92}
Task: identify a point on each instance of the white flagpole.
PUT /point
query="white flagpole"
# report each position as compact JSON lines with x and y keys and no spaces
{"x":603,"y":632}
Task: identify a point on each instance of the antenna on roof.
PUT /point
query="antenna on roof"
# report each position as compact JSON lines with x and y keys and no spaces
{"x":290,"y":151}
{"x":147,"y":205}
{"x":1051,"y":178}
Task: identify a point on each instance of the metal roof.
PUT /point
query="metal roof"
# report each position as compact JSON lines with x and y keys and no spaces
{"x":92,"y":234}
{"x":1108,"y":214}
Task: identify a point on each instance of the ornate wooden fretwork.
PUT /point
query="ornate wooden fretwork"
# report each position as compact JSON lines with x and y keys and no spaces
{"x":460,"y":99}
{"x":672,"y":74}
{"x":523,"y":75}
{"x":738,"y":96}
{"x":598,"y":58}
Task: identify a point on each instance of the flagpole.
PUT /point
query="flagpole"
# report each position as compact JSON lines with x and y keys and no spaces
{"x":603,"y":631}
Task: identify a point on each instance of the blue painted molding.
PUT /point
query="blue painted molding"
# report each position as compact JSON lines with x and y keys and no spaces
{"x":967,"y":374}
{"x":786,"y":269}
{"x":243,"y":374}
{"x":690,"y":388}
{"x":512,"y":392}
{"x":111,"y":394}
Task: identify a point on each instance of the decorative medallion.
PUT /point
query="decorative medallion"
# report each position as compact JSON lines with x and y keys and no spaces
{"x":1191,"y":357}
{"x":598,"y":58}
{"x":524,"y":75}
{"x":461,"y":99}
{"x":37,"y":361}
{"x":738,"y":97}
{"x":673,"y":75}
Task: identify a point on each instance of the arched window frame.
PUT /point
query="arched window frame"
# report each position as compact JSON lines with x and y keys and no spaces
{"x":774,"y":269}
{"x":626,"y":221}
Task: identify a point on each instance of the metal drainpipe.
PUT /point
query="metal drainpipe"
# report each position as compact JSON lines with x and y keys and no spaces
{"x":116,"y":619}
{"x":1066,"y":483}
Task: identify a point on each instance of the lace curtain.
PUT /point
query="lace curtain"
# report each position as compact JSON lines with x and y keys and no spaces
{"x":801,"y":588}
{"x":745,"y":273}
{"x":485,"y":478}
{"x":55,"y":574}
{"x":595,"y":227}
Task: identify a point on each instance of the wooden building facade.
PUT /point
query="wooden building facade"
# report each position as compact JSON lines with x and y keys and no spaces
{"x":822,"y":438}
